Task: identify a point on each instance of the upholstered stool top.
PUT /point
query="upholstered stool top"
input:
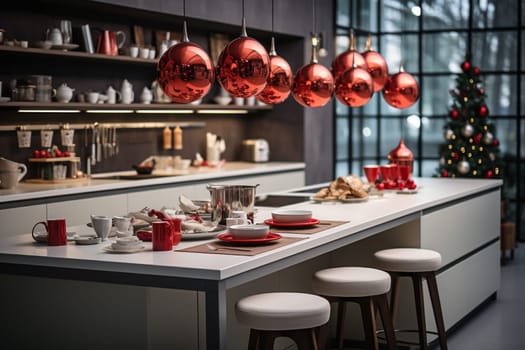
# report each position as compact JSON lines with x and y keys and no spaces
{"x":282,"y":311}
{"x":408,"y":260}
{"x":351,"y":282}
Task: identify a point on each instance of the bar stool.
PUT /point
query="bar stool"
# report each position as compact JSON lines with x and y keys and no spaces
{"x":366,"y":286}
{"x":417,"y":264}
{"x":298,"y":316}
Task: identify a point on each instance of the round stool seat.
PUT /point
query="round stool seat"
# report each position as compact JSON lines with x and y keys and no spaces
{"x":351,"y":282}
{"x":282,"y":311}
{"x":408,"y":260}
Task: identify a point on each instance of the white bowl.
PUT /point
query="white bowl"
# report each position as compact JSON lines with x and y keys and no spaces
{"x":248,"y":231}
{"x":291,"y":215}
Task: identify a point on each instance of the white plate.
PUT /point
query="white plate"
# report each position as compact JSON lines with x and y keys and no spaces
{"x":348,"y":200}
{"x":109,"y":249}
{"x":220,"y":229}
{"x":87,"y":240}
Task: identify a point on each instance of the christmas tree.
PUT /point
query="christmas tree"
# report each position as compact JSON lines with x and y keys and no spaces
{"x":471,"y":148}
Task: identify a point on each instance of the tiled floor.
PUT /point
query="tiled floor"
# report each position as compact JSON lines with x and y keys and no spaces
{"x":498,"y":325}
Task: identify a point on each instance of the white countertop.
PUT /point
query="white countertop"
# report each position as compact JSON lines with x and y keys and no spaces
{"x":29,"y":191}
{"x":361,"y":216}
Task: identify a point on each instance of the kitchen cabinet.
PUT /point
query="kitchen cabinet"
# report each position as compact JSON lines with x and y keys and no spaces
{"x":20,"y":220}
{"x":170,"y":7}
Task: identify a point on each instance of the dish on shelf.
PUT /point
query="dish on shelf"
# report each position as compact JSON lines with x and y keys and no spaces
{"x":226,"y":237}
{"x":5,"y":99}
{"x":43,"y":44}
{"x":310,"y":222}
{"x":64,"y":47}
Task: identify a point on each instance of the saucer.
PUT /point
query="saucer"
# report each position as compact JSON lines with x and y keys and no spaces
{"x":110,"y":249}
{"x":226,"y":237}
{"x":310,"y":222}
{"x":87,"y":240}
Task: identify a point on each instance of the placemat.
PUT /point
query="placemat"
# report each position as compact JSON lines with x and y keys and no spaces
{"x":323,"y":225}
{"x":248,"y":250}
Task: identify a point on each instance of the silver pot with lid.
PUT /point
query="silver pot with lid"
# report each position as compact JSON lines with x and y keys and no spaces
{"x":228,"y":198}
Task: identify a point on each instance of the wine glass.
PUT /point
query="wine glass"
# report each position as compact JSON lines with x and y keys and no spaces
{"x":371,"y":173}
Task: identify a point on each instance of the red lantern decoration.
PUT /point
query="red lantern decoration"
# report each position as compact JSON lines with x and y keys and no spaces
{"x":483,"y":111}
{"x":454,"y":114}
{"x":348,"y":59}
{"x":243,"y":66}
{"x":279,"y":80}
{"x":313,"y":84}
{"x":185,"y":71}
{"x":354,"y":87}
{"x":402,"y":156}
{"x":377,"y":66}
{"x":401,"y":90}
{"x":465,"y":66}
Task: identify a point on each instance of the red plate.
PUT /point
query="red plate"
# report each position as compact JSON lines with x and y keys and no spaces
{"x":226,"y":237}
{"x":310,"y":222}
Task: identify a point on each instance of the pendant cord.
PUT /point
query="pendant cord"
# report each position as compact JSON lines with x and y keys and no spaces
{"x":314,"y":17}
{"x":242,"y":8}
{"x":184,"y":9}
{"x":272,"y":18}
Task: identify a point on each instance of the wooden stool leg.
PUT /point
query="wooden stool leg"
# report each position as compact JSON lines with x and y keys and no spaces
{"x":369,"y":322}
{"x":341,"y":314}
{"x":253,"y":342}
{"x":381,"y":302}
{"x":417,"y":282}
{"x":303,"y":338}
{"x":322,"y":336}
{"x":393,"y":296}
{"x":436,"y":307}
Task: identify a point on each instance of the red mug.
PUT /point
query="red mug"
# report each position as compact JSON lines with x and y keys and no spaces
{"x":175,"y":224}
{"x":56,"y":231}
{"x":161,"y":235}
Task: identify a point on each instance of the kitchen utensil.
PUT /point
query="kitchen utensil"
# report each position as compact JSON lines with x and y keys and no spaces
{"x":109,"y":42}
{"x":88,"y":41}
{"x":225,"y":198}
{"x":102,"y":225}
{"x":212,"y":247}
{"x":55,"y":230}
{"x":255,"y":150}
{"x":64,"y":93}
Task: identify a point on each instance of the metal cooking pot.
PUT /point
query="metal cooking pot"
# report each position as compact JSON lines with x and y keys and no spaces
{"x":232,"y":197}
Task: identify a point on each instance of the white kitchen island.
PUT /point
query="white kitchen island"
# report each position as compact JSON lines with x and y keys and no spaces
{"x":44,"y":285}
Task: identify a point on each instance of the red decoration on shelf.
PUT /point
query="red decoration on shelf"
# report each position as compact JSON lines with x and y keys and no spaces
{"x":401,"y":90}
{"x":243,"y":66}
{"x":454,"y":114}
{"x":185,"y":71}
{"x":279,"y":81}
{"x":483,"y":111}
{"x":465,"y":66}
{"x":476,"y":71}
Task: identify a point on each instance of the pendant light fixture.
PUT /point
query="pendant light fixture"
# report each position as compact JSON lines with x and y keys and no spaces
{"x":313,"y":84}
{"x":401,"y":89}
{"x":354,"y":87}
{"x":376,"y":65}
{"x":185,"y":70}
{"x":243,"y":65}
{"x":348,"y":59}
{"x":279,"y":81}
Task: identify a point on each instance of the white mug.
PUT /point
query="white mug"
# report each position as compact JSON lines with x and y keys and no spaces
{"x":9,"y":178}
{"x":122,"y":223}
{"x":46,"y":138}
{"x":92,"y":97}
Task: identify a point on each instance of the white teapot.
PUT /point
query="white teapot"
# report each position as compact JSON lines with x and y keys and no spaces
{"x":126,"y":92}
{"x":64,"y":93}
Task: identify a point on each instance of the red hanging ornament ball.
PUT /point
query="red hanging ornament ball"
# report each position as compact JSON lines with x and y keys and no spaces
{"x":185,"y":71}
{"x":476,"y":71}
{"x":483,"y":111}
{"x":454,"y":114}
{"x":489,"y":174}
{"x":354,"y":87}
{"x":377,"y":66}
{"x":401,"y":90}
{"x":465,"y":66}
{"x":349,"y":58}
{"x":279,"y":81}
{"x":313,"y":85}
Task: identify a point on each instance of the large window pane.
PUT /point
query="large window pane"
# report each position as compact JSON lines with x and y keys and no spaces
{"x":364,"y":15}
{"x":435,"y":94}
{"x":444,"y":52}
{"x":341,"y":169}
{"x":342,"y":13}
{"x":400,"y":48}
{"x":495,"y":51}
{"x":506,"y":132}
{"x":432,"y":136}
{"x":397,"y":16}
{"x":429,"y":168}
{"x":445,"y":14}
{"x":522,"y":46}
{"x":391,"y":133}
{"x":495,"y":13}
{"x":342,"y":138}
{"x":364,"y":137}
{"x":501,"y":94}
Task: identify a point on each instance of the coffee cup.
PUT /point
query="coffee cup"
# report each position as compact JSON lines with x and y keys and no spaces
{"x":122,"y":223}
{"x":144,"y":52}
{"x":161,"y":238}
{"x":102,"y":225}
{"x":55,"y":230}
{"x":92,"y":97}
{"x":24,"y":138}
{"x":133,"y":51}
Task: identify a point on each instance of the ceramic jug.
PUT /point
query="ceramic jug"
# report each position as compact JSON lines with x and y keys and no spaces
{"x":109,"y":42}
{"x":146,"y":96}
{"x":113,"y":95}
{"x":126,"y":92}
{"x":64,"y":93}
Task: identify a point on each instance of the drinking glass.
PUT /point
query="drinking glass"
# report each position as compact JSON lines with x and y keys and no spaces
{"x":371,"y":173}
